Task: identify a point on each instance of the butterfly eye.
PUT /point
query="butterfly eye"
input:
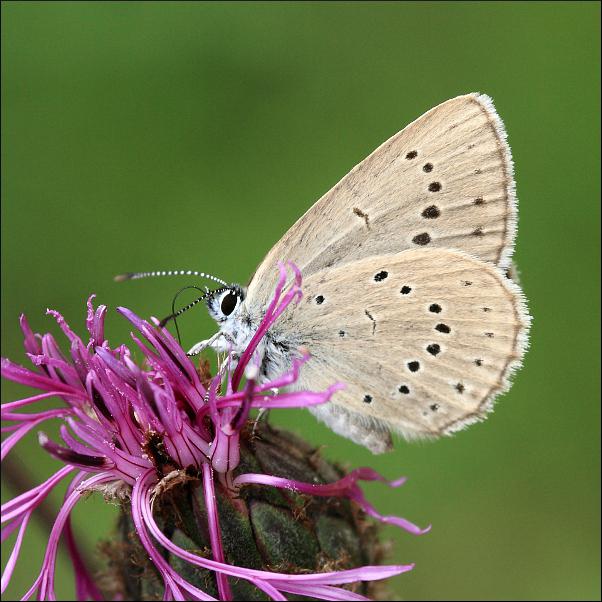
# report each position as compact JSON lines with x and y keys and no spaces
{"x":228,"y":303}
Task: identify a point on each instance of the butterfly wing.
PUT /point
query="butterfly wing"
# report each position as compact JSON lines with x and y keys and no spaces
{"x":423,"y":339}
{"x":445,"y":181}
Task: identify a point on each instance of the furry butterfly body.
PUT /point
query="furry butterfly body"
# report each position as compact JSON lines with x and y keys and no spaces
{"x":406,"y":293}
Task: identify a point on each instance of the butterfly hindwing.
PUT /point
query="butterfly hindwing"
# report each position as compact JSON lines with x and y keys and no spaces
{"x":423,"y":339}
{"x":445,"y":181}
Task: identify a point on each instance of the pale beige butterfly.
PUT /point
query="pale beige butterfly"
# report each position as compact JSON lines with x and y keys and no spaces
{"x":406,"y":294}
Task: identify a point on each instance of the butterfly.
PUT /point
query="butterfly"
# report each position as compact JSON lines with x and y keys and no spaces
{"x":406,"y":268}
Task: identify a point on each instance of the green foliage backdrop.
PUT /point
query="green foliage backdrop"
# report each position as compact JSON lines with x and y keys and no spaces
{"x":143,"y":135}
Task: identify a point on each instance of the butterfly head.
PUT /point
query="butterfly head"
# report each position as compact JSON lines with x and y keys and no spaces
{"x":223,"y":304}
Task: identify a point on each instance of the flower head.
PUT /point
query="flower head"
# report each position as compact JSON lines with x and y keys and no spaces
{"x":136,"y":431}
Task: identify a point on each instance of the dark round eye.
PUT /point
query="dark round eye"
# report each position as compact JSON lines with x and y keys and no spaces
{"x":228,"y":304}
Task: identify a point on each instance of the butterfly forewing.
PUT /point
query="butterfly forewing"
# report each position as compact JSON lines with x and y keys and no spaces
{"x":445,"y":181}
{"x":423,"y":339}
{"x":406,"y":297}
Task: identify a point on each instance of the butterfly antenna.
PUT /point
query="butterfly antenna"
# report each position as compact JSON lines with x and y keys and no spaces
{"x":139,"y":275}
{"x":174,"y":314}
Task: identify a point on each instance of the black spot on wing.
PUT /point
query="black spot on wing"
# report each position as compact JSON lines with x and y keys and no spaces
{"x":431,"y":212}
{"x":433,"y":348}
{"x":422,"y":239}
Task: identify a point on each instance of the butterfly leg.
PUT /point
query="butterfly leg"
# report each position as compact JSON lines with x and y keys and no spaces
{"x":262,"y":416}
{"x":217,"y":342}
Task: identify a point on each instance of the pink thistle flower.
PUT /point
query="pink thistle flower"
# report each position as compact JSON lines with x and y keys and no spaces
{"x":137,"y":432}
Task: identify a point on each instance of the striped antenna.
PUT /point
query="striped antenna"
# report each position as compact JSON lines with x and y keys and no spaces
{"x":186,"y":308}
{"x":138,"y":275}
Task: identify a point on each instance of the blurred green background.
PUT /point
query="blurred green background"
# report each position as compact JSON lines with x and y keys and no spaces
{"x":192,"y":135}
